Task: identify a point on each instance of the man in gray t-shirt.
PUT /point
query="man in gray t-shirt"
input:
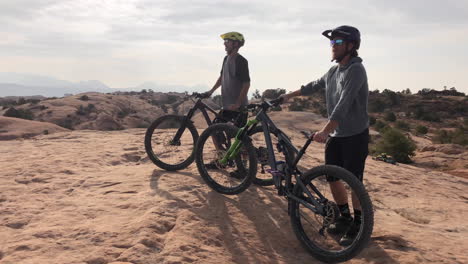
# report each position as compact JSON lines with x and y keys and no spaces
{"x":234,"y":79}
{"x":346,"y":133}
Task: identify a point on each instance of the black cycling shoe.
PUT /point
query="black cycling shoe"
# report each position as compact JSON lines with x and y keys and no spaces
{"x":340,"y":226}
{"x":350,"y":235}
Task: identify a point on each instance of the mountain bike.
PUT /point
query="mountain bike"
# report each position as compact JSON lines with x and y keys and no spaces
{"x":311,"y":204}
{"x":170,"y":140}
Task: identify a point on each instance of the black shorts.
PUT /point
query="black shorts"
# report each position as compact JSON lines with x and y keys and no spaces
{"x":348,"y":152}
{"x":238,"y":118}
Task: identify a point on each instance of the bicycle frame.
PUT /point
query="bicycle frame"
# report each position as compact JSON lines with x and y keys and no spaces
{"x":291,"y":165}
{"x":199,"y":105}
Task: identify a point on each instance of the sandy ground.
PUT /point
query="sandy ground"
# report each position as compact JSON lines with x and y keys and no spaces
{"x":94,"y":197}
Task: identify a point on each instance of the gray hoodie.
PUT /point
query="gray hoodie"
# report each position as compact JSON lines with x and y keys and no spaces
{"x":346,"y":92}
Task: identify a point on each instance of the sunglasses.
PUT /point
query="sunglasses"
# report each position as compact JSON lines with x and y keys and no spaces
{"x":337,"y":42}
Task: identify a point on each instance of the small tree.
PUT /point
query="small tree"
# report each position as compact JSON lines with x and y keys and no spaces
{"x":256,"y":94}
{"x":396,"y":144}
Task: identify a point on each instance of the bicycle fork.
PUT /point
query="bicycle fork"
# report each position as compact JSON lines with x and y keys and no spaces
{"x":234,"y":149}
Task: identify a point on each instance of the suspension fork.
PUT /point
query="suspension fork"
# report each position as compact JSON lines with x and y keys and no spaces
{"x":234,"y":149}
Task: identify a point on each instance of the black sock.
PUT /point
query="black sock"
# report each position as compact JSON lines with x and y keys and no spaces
{"x":344,"y":210}
{"x":357,"y":216}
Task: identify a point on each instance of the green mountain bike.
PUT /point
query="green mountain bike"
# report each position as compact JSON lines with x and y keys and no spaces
{"x":310,"y":202}
{"x":170,"y":140}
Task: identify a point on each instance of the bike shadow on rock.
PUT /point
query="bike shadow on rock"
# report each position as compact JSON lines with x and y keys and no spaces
{"x":267,"y":229}
{"x":375,"y":251}
{"x":267,"y":236}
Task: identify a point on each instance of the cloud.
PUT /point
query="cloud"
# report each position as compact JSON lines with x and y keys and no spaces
{"x":177,"y":41}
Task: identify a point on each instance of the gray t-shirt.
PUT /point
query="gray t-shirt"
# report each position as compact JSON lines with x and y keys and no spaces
{"x":346,"y":92}
{"x":234,"y":73}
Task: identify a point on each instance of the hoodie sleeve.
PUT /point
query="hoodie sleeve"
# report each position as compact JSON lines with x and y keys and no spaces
{"x":352,"y":83}
{"x":319,"y":84}
{"x":313,"y":86}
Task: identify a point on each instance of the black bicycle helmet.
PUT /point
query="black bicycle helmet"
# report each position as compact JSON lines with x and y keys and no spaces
{"x":348,"y":33}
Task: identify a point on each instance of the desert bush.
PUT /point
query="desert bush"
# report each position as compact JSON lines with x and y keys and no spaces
{"x":390,"y":117}
{"x":380,"y":125}
{"x":402,"y":125}
{"x":377,"y":106}
{"x":84,"y":98}
{"x":66,"y":123}
{"x":276,"y":108}
{"x":273,"y":93}
{"x":395,"y":143}
{"x":421,"y":129}
{"x":459,"y":136}
{"x":299,"y":104}
{"x":21,"y":101}
{"x":19,"y":113}
{"x":171,"y":99}
{"x":85,"y":110}
{"x":372,"y":120}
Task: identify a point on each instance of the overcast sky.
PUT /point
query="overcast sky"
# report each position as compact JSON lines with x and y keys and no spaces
{"x":123,"y":43}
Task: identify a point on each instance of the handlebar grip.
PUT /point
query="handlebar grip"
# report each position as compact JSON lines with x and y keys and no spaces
{"x":277,"y":101}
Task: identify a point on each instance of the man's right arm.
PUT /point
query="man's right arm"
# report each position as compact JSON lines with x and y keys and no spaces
{"x":310,"y":88}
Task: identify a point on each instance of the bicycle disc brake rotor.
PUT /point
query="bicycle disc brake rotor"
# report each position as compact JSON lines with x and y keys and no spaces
{"x":330,"y":214}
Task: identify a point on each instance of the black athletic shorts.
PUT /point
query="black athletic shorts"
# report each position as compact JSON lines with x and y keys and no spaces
{"x":348,"y":152}
{"x":238,"y":118}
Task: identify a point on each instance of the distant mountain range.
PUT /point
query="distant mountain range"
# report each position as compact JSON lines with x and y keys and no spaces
{"x":19,"y":84}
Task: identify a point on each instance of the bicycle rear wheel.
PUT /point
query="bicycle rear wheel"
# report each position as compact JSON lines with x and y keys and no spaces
{"x":167,"y":151}
{"x":311,"y":228}
{"x":236,"y":174}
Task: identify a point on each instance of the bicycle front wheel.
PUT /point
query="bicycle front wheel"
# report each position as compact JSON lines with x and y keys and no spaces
{"x":312,"y":228}
{"x":233,"y":175}
{"x":170,"y":143}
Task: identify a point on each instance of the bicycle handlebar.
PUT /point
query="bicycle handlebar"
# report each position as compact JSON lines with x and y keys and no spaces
{"x":266,"y":104}
{"x":201,"y":95}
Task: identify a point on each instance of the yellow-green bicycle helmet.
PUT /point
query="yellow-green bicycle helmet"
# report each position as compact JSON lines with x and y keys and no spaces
{"x":236,"y":36}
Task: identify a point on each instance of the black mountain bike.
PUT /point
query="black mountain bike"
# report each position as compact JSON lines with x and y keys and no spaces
{"x":311,"y":204}
{"x":170,"y":140}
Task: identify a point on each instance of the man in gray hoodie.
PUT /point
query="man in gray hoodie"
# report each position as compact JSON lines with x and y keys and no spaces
{"x":347,"y":131}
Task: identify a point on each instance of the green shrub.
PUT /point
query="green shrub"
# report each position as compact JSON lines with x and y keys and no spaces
{"x":458,"y":136}
{"x":402,"y":125}
{"x":19,"y":113}
{"x":396,"y":144}
{"x":299,"y":104}
{"x":273,"y":93}
{"x":377,"y":106}
{"x":390,"y":117}
{"x":85,"y":110}
{"x":422,"y":130}
{"x":380,"y":125}
{"x":372,"y":120}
